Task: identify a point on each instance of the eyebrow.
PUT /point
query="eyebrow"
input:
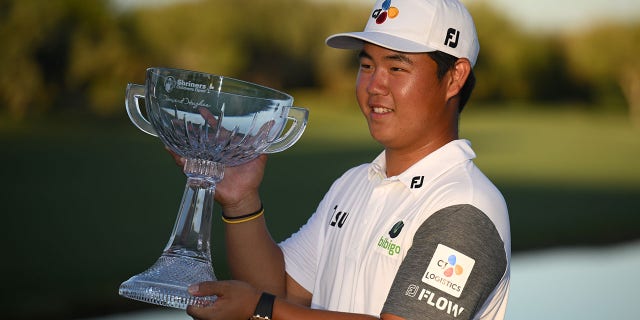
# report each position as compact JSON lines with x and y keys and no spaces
{"x":393,"y":57}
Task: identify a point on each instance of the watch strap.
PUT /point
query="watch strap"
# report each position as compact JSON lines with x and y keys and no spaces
{"x":264,"y":308}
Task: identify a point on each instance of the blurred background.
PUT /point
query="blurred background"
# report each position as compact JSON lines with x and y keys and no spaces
{"x":89,"y":200}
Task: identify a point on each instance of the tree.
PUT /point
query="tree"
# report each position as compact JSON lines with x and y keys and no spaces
{"x":278,"y":43}
{"x":518,"y":65}
{"x":607,"y":57}
{"x":66,"y":54}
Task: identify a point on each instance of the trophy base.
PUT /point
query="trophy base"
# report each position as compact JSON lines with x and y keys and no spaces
{"x":166,"y":282}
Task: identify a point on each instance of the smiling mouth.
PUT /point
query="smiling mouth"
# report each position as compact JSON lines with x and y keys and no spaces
{"x":381,"y":110}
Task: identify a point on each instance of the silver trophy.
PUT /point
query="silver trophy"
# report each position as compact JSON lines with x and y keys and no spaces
{"x":211,"y":121}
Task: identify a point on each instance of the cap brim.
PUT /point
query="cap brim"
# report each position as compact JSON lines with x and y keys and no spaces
{"x":356,"y":40}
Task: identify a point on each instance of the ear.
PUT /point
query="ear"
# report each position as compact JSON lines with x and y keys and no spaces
{"x":457,"y":77}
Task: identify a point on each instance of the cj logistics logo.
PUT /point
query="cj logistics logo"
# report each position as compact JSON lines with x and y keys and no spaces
{"x":451,"y":266}
{"x":448,"y":270}
{"x":387,"y":11}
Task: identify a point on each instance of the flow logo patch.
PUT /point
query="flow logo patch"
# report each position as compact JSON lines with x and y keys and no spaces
{"x":448,"y":270}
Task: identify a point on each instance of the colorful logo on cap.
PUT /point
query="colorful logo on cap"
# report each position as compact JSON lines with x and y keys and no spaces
{"x":387,"y":11}
{"x":453,"y":267}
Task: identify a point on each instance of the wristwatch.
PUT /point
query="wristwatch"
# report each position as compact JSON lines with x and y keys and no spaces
{"x":264,"y":309}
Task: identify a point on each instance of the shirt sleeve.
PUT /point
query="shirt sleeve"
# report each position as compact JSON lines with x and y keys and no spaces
{"x":301,"y":252}
{"x":455,"y":262}
{"x":302,"y":249}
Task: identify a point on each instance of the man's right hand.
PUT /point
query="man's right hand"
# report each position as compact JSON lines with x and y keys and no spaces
{"x":237,"y":193}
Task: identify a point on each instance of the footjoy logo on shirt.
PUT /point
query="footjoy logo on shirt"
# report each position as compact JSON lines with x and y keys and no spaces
{"x":448,"y":270}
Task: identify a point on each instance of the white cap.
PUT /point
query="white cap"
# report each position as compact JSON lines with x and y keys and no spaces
{"x":416,"y":26}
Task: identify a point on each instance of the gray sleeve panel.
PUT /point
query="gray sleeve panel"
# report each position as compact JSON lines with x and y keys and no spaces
{"x":467,"y":230}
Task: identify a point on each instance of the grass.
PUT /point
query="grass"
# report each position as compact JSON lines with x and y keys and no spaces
{"x":87,"y":204}
{"x":567,"y":147}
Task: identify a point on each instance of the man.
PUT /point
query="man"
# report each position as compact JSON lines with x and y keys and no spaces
{"x":419,"y":233}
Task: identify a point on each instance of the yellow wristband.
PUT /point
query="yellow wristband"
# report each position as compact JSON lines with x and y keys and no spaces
{"x":242,"y":219}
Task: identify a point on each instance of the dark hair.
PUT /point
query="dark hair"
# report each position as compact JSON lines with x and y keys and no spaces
{"x":445,"y":63}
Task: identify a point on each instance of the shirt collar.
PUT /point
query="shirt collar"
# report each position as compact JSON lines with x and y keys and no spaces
{"x":378,"y":168}
{"x":428,"y":168}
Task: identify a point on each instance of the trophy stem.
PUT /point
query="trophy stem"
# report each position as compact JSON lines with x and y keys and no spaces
{"x":186,"y":258}
{"x":192,"y":231}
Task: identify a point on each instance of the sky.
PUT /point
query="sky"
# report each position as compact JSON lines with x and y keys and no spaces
{"x":565,"y":14}
{"x":534,"y":15}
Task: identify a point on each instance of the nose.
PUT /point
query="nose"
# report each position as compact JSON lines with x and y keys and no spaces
{"x":377,"y":83}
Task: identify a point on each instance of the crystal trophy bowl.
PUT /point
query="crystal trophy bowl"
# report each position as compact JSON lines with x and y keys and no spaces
{"x":212,"y":121}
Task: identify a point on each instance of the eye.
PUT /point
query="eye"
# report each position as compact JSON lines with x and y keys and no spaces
{"x":365,"y":66}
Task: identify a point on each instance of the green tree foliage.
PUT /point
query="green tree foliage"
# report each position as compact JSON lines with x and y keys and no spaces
{"x":76,"y":54}
{"x":79,"y":55}
{"x":515,"y":65}
{"x":276,"y":43}
{"x":60,"y":54}
{"x":607,"y":58}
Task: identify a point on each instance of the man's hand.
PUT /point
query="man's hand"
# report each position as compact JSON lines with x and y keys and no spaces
{"x":236,"y":300}
{"x":237,"y":193}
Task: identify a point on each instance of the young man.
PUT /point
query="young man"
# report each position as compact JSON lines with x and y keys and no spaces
{"x":419,"y":233}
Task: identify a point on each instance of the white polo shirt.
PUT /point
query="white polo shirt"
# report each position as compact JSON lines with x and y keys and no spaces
{"x":432,"y":242}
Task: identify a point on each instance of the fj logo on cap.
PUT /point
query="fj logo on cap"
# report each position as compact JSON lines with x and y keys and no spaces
{"x":387,"y":10}
{"x":452,"y":38}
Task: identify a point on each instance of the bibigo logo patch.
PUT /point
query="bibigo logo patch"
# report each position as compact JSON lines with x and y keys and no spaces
{"x":448,"y":270}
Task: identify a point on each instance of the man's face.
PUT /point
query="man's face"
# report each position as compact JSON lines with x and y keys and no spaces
{"x":402,"y":99}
